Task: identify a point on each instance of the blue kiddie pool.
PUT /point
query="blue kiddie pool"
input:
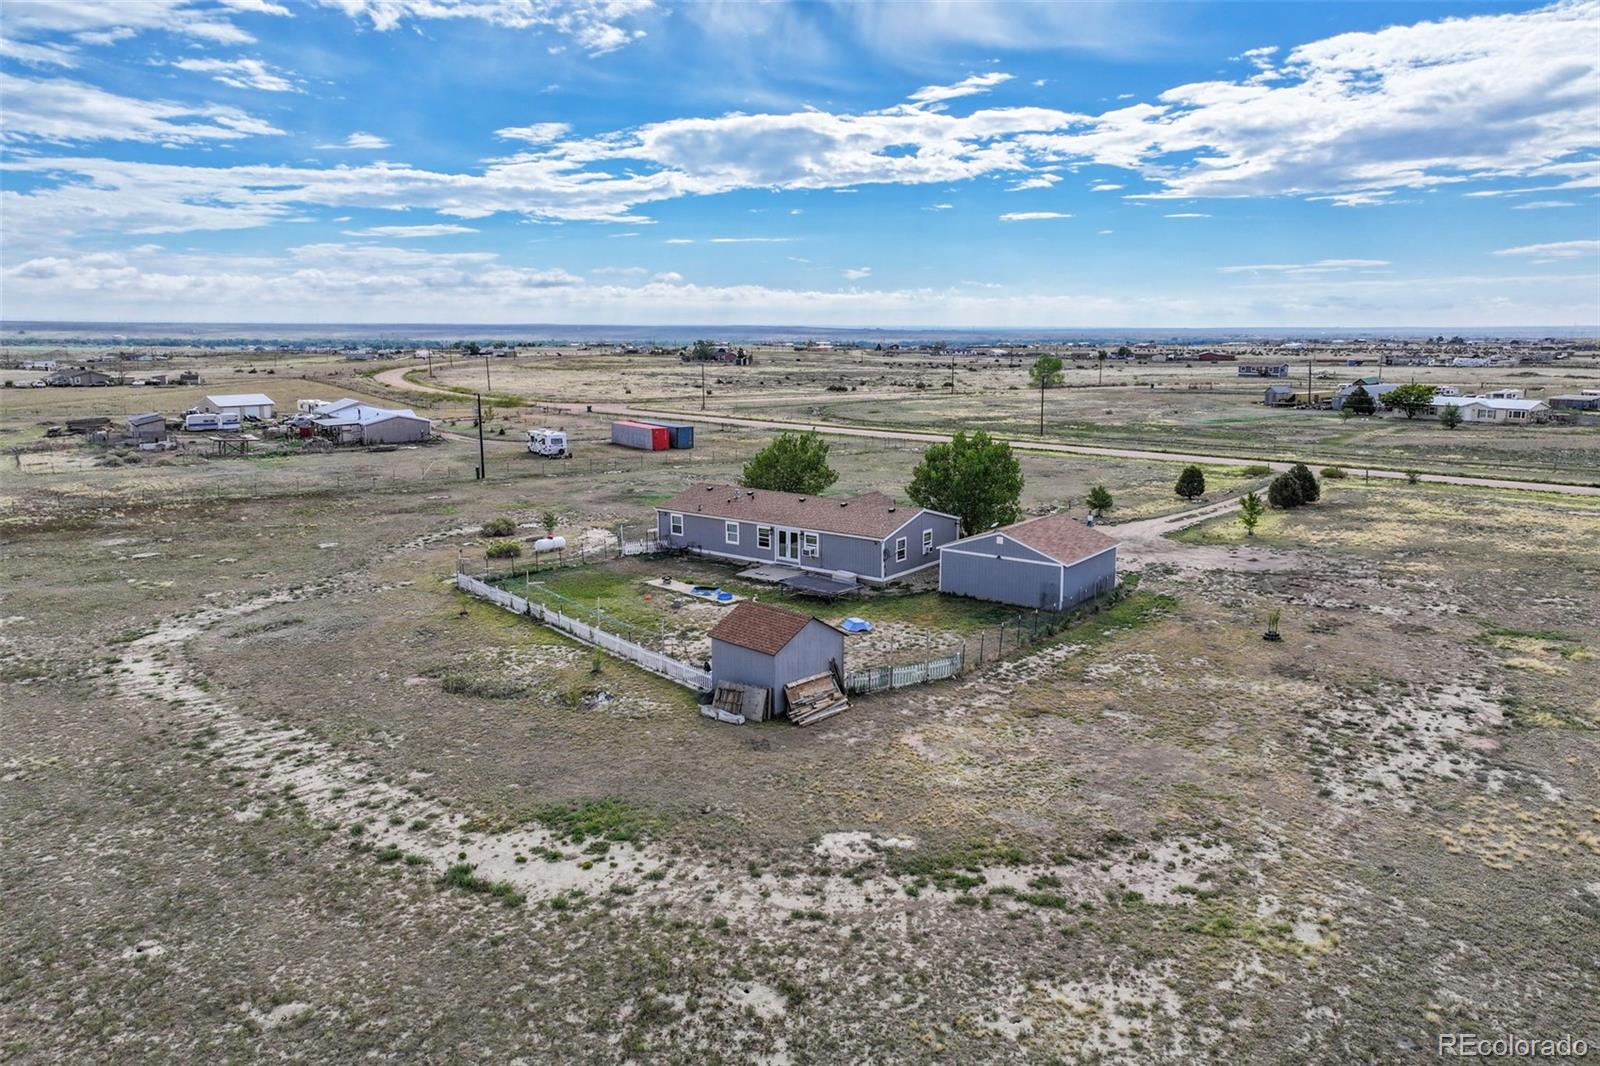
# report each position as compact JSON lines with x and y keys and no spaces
{"x":724,"y":597}
{"x":856,"y":625}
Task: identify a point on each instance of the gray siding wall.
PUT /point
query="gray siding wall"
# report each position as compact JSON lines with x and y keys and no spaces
{"x":704,"y":532}
{"x":1019,"y":578}
{"x":396,"y":431}
{"x":944,"y":529}
{"x":808,"y":653}
{"x":729,"y":662}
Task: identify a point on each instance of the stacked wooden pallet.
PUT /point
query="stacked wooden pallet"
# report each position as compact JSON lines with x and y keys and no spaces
{"x":811,"y":699}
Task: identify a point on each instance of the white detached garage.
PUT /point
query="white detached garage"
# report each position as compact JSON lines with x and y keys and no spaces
{"x":1052,"y":563}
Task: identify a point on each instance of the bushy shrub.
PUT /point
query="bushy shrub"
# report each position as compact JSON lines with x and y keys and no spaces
{"x":502,"y":549}
{"x":1310,"y":491}
{"x":1334,"y":472}
{"x":1255,"y":470}
{"x":1285,"y":492}
{"x":503,"y":526}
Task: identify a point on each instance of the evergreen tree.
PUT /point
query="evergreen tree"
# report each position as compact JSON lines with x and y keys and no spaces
{"x":1310,"y":491}
{"x":1285,"y":492}
{"x":1191,"y":483}
{"x":1251,"y":508}
{"x":1099,"y":500}
{"x":1360,"y":402}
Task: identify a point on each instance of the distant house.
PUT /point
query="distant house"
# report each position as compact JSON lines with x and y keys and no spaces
{"x":1506,"y":394}
{"x":1051,"y":563}
{"x":1489,"y":409}
{"x":1263,"y":370}
{"x":1587,"y":401}
{"x":869,"y":537}
{"x":770,"y":647}
{"x":1278,"y":395}
{"x":1216,"y":357}
{"x":78,"y":377}
{"x":1374,"y":387}
{"x":353,"y":422}
{"x":147,"y":427}
{"x":241,"y":404}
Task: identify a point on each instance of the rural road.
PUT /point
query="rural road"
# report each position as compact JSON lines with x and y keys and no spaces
{"x":395,"y":378}
{"x":835,"y":429}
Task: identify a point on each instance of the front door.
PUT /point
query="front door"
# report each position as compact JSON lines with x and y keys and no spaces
{"x":788,"y":546}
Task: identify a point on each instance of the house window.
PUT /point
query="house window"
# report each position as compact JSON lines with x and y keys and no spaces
{"x":810,"y":545}
{"x":675,"y":524}
{"x":730,"y":532}
{"x":927,"y":541}
{"x":763,"y":537}
{"x":900,"y":549}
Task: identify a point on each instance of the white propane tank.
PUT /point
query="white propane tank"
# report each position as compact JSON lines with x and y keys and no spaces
{"x":549,"y":544}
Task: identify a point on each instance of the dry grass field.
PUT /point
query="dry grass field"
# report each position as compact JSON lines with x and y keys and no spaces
{"x":272,"y":789}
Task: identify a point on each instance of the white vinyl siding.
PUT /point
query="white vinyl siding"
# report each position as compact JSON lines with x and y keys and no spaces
{"x":675,"y":524}
{"x":730,"y":532}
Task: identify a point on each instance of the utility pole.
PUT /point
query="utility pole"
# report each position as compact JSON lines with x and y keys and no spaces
{"x":482,"y":472}
{"x":430,"y":362}
{"x":952,"y":371}
{"x":488,"y":385}
{"x":702,"y":386}
{"x":1041,"y":405}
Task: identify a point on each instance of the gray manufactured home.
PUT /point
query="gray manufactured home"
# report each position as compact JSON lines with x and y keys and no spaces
{"x":869,"y":536}
{"x":1052,"y":563}
{"x":769,"y":647}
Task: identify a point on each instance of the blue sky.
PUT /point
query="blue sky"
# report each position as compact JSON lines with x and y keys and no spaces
{"x":938,"y":164}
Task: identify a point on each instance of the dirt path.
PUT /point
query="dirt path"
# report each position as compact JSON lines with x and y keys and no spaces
{"x":1277,"y":465}
{"x":395,"y":378}
{"x":1148,"y":541}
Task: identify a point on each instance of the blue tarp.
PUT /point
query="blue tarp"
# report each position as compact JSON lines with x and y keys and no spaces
{"x":856,"y":625}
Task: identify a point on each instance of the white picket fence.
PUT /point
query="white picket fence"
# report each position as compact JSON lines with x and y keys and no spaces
{"x":654,"y":661}
{"x":884,"y":678}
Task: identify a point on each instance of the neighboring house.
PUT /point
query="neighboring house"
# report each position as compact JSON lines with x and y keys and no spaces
{"x":1506,"y":394}
{"x":1489,"y":409}
{"x":1263,"y":370}
{"x":869,"y":536}
{"x":1278,"y":395}
{"x":769,"y":647}
{"x":1374,"y":387}
{"x":146,"y":427}
{"x":241,"y":404}
{"x":353,"y":422}
{"x":1053,"y":563}
{"x":78,"y":377}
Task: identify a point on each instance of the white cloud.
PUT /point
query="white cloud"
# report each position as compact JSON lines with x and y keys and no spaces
{"x":240,"y":73}
{"x":1187,"y":214}
{"x":857,"y":273}
{"x":1320,"y":266}
{"x":678,"y":240}
{"x":538,"y":133}
{"x":1543,"y":205}
{"x":1555,"y":249}
{"x":1104,"y":186}
{"x":358,"y":141}
{"x":796,"y":211}
{"x":98,"y":23}
{"x":1104,"y":232}
{"x":60,"y":110}
{"x":619,"y":272}
{"x":596,"y":26}
{"x":940,"y":207}
{"x":969,"y":86}
{"x":1038,"y":181}
{"x":1031,"y":216}
{"x":668,"y":277}
{"x":435,"y":230}
{"x":750,"y":240}
{"x":38,"y":55}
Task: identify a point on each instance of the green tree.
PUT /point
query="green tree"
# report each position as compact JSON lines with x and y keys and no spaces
{"x":1360,"y":402}
{"x":703,"y":351}
{"x":793,"y":462}
{"x":1413,"y":399}
{"x":1124,"y":352}
{"x":1285,"y":492}
{"x":549,"y":520}
{"x":1045,"y":373}
{"x":471,"y":348}
{"x":1310,"y":491}
{"x":1191,"y":483}
{"x":974,"y":478}
{"x":1450,"y":417}
{"x":1251,"y":508}
{"x":1099,"y":500}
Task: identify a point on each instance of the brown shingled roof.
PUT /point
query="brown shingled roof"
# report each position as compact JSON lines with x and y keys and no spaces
{"x":1059,"y":536}
{"x":759,"y":627}
{"x":871,"y":514}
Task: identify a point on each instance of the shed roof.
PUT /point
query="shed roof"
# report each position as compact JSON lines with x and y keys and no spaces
{"x":151,"y":416}
{"x":871,"y":514}
{"x":761,"y":627}
{"x":241,"y":399}
{"x":1060,"y":536}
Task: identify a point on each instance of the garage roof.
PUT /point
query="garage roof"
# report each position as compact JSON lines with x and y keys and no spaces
{"x":241,"y":399}
{"x":1060,"y":536}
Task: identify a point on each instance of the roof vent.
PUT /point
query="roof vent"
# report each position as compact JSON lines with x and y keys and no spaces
{"x":844,"y":503}
{"x":802,"y":499}
{"x":891,"y":510}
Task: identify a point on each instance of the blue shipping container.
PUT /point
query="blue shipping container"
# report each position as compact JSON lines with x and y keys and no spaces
{"x":681,"y":434}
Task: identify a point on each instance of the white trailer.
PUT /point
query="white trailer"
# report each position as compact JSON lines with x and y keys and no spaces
{"x":550,"y":443}
{"x":206,"y":420}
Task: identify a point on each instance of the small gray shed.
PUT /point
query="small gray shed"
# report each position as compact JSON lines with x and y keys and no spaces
{"x":769,"y":647}
{"x":1052,"y":563}
{"x":150,"y":426}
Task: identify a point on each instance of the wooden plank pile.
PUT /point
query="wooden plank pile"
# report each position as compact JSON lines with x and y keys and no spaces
{"x":733,"y":701}
{"x":811,"y":699}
